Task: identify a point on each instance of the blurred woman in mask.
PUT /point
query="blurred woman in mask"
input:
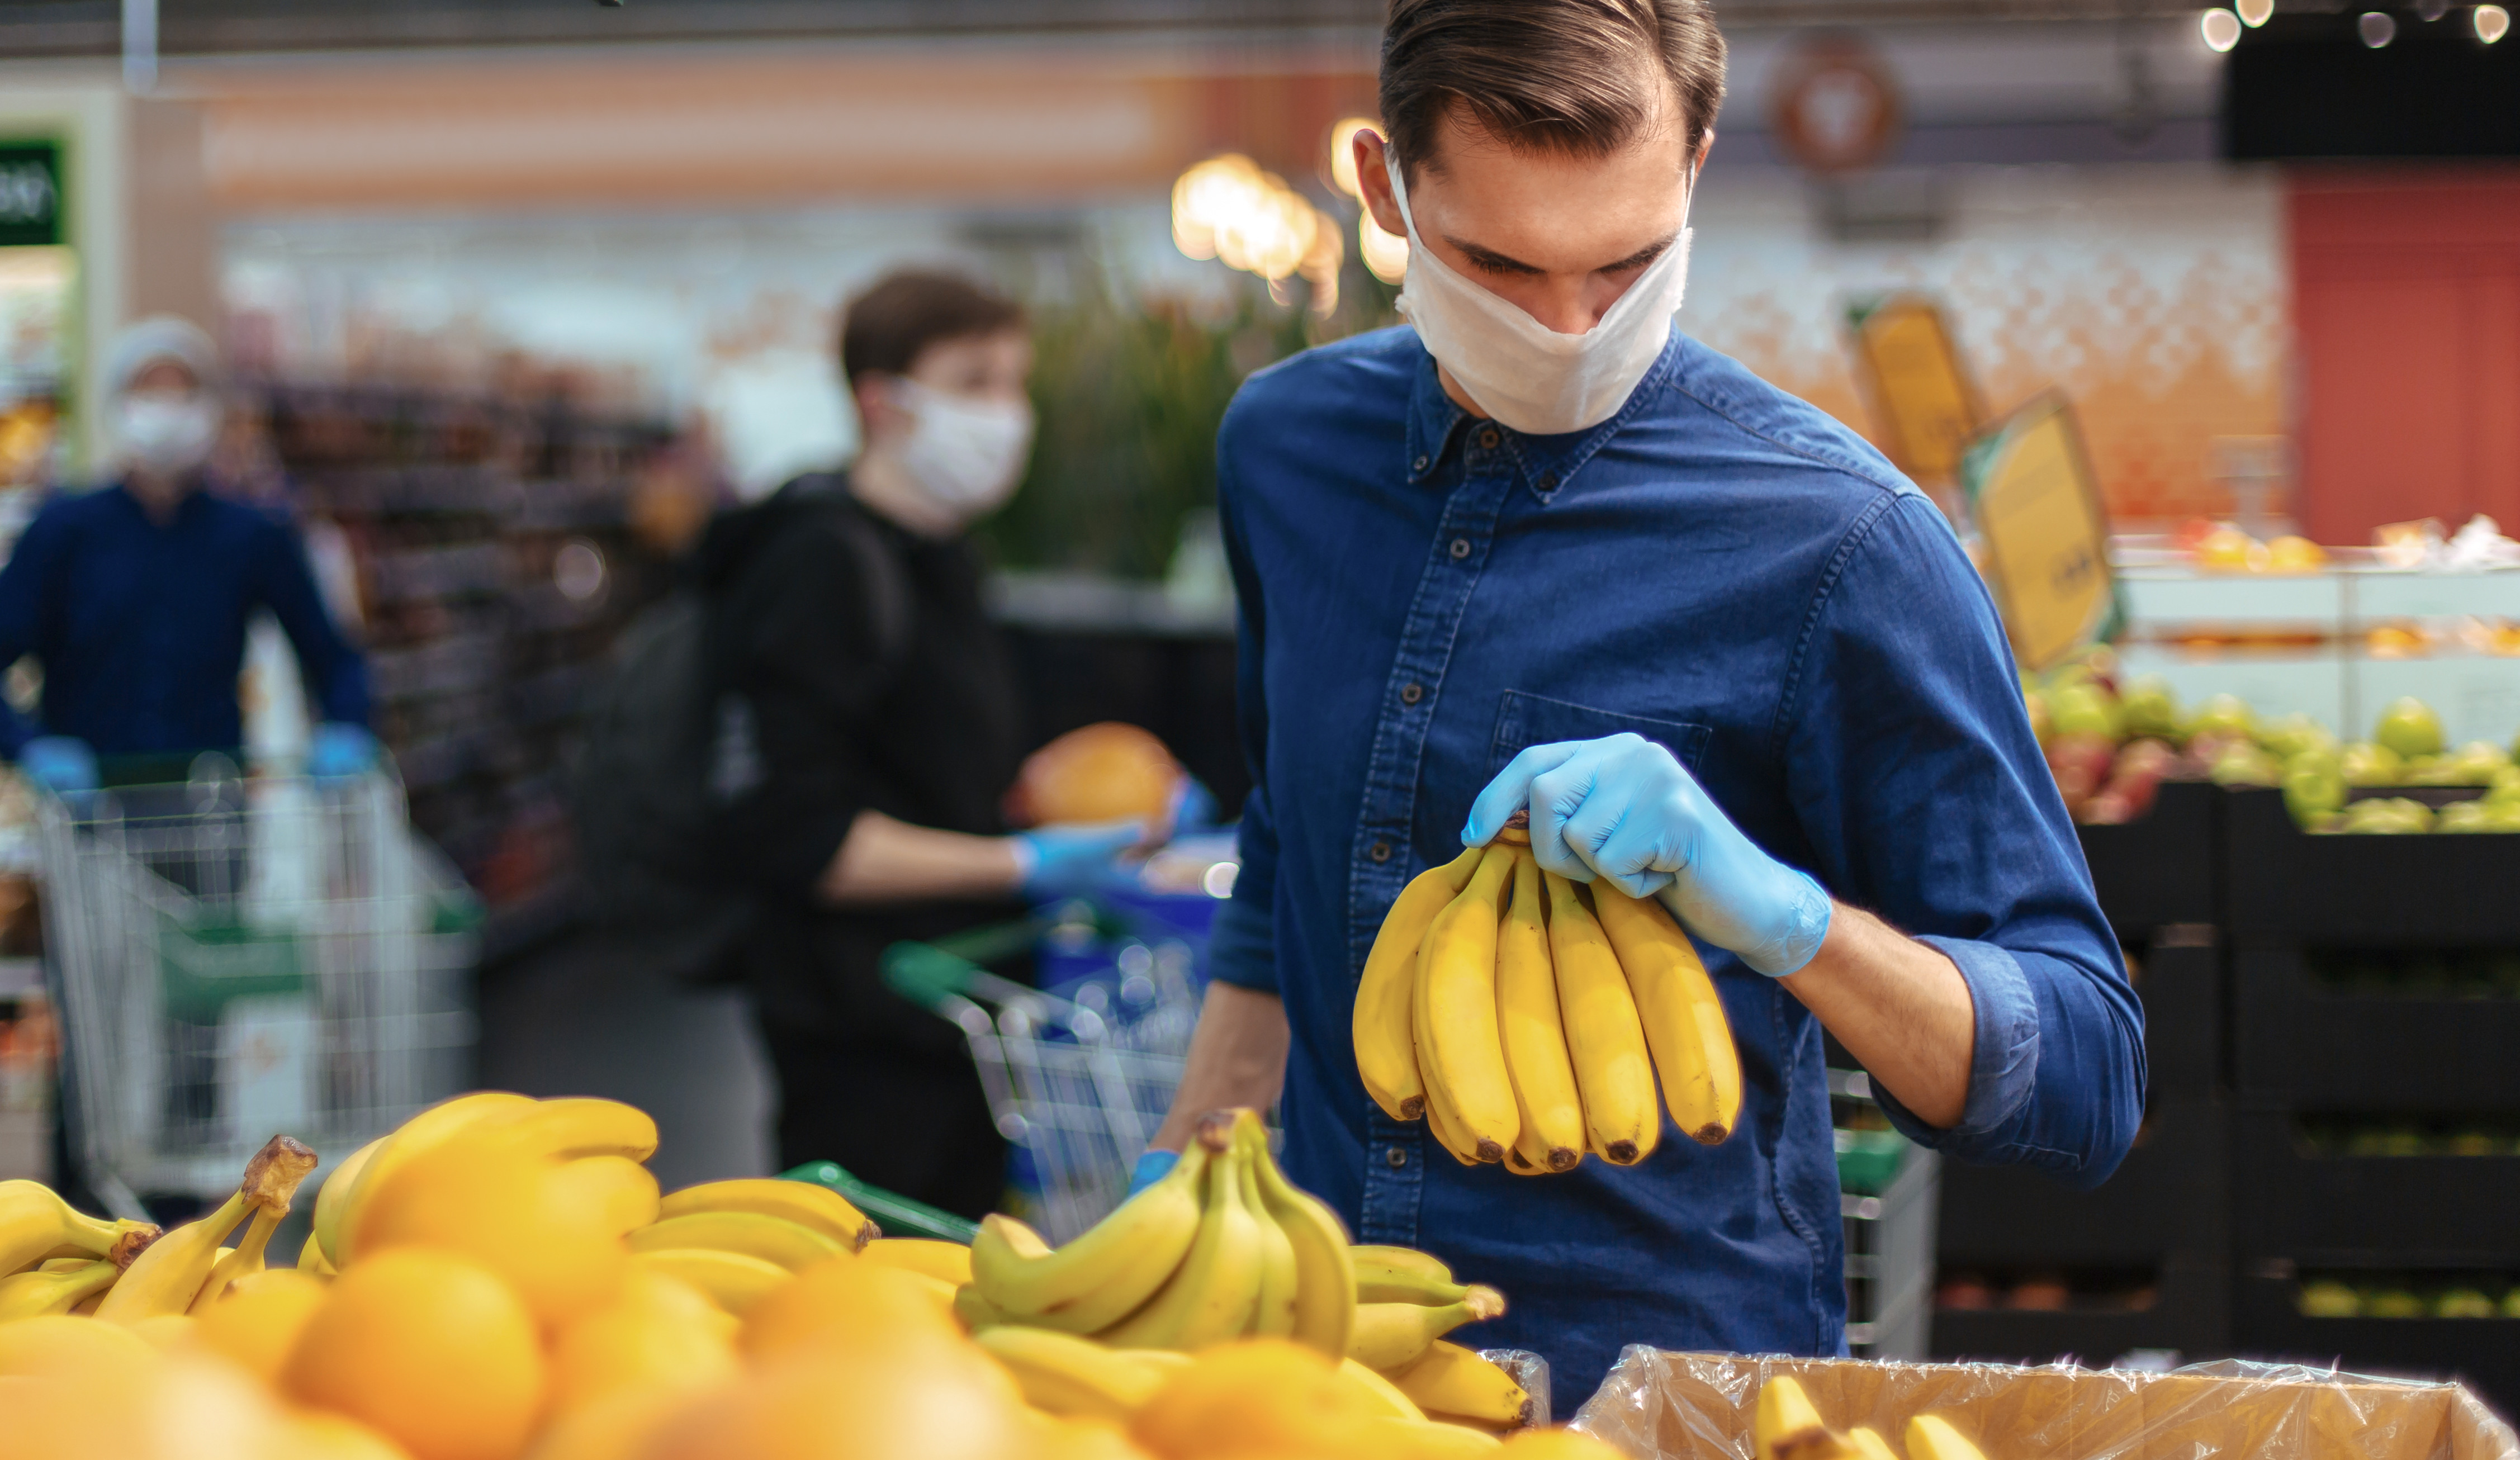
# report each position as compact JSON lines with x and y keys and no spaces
{"x":867,"y":729}
{"x":135,"y":597}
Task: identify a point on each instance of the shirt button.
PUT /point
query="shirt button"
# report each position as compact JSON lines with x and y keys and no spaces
{"x":1419,"y":465}
{"x":1461,"y":548}
{"x":1549,"y":481}
{"x":1412,"y":692}
{"x":1397,"y":1157}
{"x":1380,"y":851}
{"x":1488,"y":439}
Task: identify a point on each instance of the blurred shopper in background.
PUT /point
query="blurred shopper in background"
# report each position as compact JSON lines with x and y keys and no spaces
{"x":135,"y":599}
{"x":867,"y":727}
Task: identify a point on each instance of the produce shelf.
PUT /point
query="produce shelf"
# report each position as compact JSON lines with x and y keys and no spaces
{"x":2159,"y":868}
{"x":2179,"y":978}
{"x":2285,"y":887}
{"x":2190,"y":1315}
{"x":2482,"y":1353}
{"x":2170,"y":1196}
{"x":2301,"y":1040}
{"x":2438,"y":1210}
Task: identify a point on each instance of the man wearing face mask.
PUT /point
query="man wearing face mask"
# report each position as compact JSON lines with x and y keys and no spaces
{"x":135,"y":599}
{"x":867,"y":727}
{"x":1543,"y":552}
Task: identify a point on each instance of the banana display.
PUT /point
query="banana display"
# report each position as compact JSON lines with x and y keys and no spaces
{"x":1787,"y":1426}
{"x":1524,"y":1017}
{"x":501,"y":1278}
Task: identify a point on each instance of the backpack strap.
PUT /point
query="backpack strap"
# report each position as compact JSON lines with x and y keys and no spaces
{"x":886,"y":586}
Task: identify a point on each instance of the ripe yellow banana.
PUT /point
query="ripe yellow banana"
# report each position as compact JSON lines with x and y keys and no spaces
{"x":1868,"y":1443}
{"x":948,"y":1263}
{"x":1389,"y":1335}
{"x":1325,"y":1283}
{"x":576,"y":1126}
{"x":1272,"y":1312}
{"x":1442,"y":1124}
{"x":1786,"y":1426}
{"x":415,"y":1137}
{"x":625,"y":1190}
{"x":1113,"y":1269}
{"x":1930,"y":1437}
{"x":1453,"y":1380}
{"x":733,"y":1280}
{"x":334,"y":1197}
{"x":311,"y":1259}
{"x":773,"y":1239}
{"x":1384,"y":1392}
{"x":802,"y":1202}
{"x":168,"y":1275}
{"x":1684,"y":1020}
{"x":1210,"y":1297}
{"x":1427,"y":1439}
{"x":1605,"y":1039}
{"x":31,"y":1294}
{"x":1551,"y":1111}
{"x":974,"y":1311}
{"x":1063,"y":1374}
{"x":1402,"y":1274}
{"x":1460,"y":1052}
{"x":1386,"y":1055}
{"x":36,"y":1224}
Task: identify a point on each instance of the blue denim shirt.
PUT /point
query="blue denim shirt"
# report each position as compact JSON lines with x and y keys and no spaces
{"x":1723,"y":569}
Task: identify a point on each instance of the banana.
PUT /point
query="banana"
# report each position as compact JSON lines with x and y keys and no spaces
{"x":1684,"y":1019}
{"x":36,"y":1224}
{"x":334,"y":1197}
{"x":1604,"y":1038}
{"x":948,"y":1263}
{"x":1211,"y":1295}
{"x":1429,"y":1438}
{"x":241,"y":1261}
{"x":1389,"y":1335}
{"x":1063,"y":1374}
{"x":165,"y":1278}
{"x":1868,"y":1443}
{"x":733,"y":1280}
{"x":1446,"y":1127}
{"x":802,"y":1202}
{"x":1459,"y":1049}
{"x":1273,"y":1313}
{"x":1384,"y":1392}
{"x":311,"y":1259}
{"x":1386,"y":1055}
{"x":773,"y":1239}
{"x":1108,"y":1271}
{"x":1534,"y":1034}
{"x":625,"y":1189}
{"x":1786,"y":1426}
{"x":1453,"y":1380}
{"x":576,"y":1126}
{"x":421,"y":1133}
{"x":31,"y":1294}
{"x":974,"y":1311}
{"x":1930,"y":1437}
{"x":1402,"y":1274}
{"x":1325,"y":1283}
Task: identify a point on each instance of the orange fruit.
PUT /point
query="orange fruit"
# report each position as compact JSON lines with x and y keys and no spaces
{"x":659,"y":1334}
{"x":614,"y":1427}
{"x":844,"y":1306}
{"x":1270,"y":1395}
{"x":869,"y":1407}
{"x":432,"y":1348}
{"x":315,"y":1434}
{"x":1101,"y":772}
{"x":514,"y":1212}
{"x":258,"y":1322}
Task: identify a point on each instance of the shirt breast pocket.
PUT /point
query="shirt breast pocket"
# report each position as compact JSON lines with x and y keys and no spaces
{"x":1525,"y":720}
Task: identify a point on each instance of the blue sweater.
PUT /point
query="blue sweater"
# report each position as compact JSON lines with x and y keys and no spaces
{"x":141,"y":628}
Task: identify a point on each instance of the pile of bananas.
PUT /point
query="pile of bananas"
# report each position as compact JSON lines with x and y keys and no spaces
{"x":1787,"y":1426}
{"x":1514,"y":1011}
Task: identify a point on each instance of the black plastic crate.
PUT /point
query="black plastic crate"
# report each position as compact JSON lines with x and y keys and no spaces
{"x":2191,"y":1315}
{"x":2286,"y":887}
{"x":2482,"y":1353}
{"x":2159,"y":868}
{"x":2170,"y":1197}
{"x":2300,"y":1198}
{"x":2179,"y":978}
{"x":2302,"y":1042}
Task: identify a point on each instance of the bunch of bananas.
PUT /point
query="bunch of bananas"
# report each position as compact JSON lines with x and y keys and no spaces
{"x":52,"y":1257}
{"x":1515,"y":1011}
{"x":1787,"y":1426}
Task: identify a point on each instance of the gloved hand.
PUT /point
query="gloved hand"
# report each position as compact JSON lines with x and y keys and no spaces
{"x":1061,"y":862}
{"x":339,"y":748}
{"x":1151,"y":1167}
{"x":1193,"y":807}
{"x":1624,"y":808}
{"x":60,"y":763}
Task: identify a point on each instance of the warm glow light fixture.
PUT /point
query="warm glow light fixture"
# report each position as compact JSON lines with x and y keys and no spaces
{"x":2220,"y":27}
{"x":2255,"y":13}
{"x":1226,"y":208}
{"x":1385,"y":254}
{"x":2377,"y":28}
{"x":1343,"y":154}
{"x":2492,"y":22}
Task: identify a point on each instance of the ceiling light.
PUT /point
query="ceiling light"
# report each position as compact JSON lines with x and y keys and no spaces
{"x":2255,"y":13}
{"x":2492,"y":22}
{"x":2377,"y":28}
{"x":2220,"y":29}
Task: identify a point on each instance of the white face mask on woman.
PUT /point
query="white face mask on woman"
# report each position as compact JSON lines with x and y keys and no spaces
{"x":964,"y":455}
{"x":165,"y":435}
{"x":1519,"y":370}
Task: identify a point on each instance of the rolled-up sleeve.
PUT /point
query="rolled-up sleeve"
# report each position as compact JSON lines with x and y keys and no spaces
{"x":1924,"y":798}
{"x":1243,"y":947}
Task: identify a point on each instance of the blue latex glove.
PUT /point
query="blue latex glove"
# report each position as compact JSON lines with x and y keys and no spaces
{"x":1193,"y":806}
{"x":1151,"y":1167}
{"x":1061,"y":861}
{"x":1621,"y":807}
{"x":339,"y":748}
{"x":60,"y":763}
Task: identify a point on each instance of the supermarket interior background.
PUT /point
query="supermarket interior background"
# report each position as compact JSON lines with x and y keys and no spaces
{"x":515,"y":295}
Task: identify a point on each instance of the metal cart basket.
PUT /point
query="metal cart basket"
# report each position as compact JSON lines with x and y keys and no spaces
{"x":242,"y":958}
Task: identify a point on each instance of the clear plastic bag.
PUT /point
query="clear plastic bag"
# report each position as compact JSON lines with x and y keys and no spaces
{"x":1529,"y":1370}
{"x":1656,"y":1405}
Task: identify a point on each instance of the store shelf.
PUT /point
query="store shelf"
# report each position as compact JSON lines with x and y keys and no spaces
{"x":2482,"y":1353}
{"x":2168,"y":1198}
{"x":2299,"y":1041}
{"x":2190,"y":1315}
{"x":2179,"y":978}
{"x":2160,"y":869}
{"x":2288,"y":888}
{"x":2318,"y":1210}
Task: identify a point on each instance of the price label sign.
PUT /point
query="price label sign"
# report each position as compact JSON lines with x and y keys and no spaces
{"x":2044,"y":534}
{"x":1926,"y":407}
{"x":31,"y":194}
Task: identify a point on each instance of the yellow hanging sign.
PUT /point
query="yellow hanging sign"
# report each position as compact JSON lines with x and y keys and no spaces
{"x":1923,"y":403}
{"x":2044,"y":534}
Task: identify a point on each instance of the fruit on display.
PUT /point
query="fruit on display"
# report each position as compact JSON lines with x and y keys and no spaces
{"x":1525,"y":1017}
{"x":1101,"y":772}
{"x":2409,"y":729}
{"x":36,"y":1225}
{"x":177,"y":1268}
{"x":1785,"y":1425}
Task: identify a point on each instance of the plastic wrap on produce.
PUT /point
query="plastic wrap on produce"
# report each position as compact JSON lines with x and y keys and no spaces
{"x":1656,"y":1405}
{"x":1529,"y":1370}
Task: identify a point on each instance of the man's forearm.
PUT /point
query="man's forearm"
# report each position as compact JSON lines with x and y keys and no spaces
{"x":1238,"y":1056}
{"x":1900,"y":1007}
{"x":888,"y":861}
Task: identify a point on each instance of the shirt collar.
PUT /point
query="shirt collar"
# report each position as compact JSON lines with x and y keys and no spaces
{"x":1546,"y":463}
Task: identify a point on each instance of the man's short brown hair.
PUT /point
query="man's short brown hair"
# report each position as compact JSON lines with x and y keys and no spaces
{"x":886,"y":328}
{"x":1576,"y":76}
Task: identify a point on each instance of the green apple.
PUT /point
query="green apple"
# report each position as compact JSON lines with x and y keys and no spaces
{"x":2327,"y":1298}
{"x":2410,"y":728}
{"x":2393,"y":1303}
{"x":2293,"y":736}
{"x":2312,"y":792}
{"x":2225,"y":714}
{"x":2479,"y":762}
{"x":2085,"y":708}
{"x":2367,"y":764}
{"x":2463,"y":816}
{"x":2462,"y":1302}
{"x":2150,"y":708}
{"x":2242,"y":763}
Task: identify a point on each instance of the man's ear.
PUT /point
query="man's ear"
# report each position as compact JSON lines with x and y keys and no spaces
{"x":1374,"y":183}
{"x":877,"y":415}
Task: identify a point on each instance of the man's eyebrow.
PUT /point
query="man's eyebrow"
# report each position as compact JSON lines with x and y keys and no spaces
{"x":1494,"y":262}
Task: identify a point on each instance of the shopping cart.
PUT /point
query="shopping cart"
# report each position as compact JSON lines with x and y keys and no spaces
{"x":1078,"y":1079}
{"x":237,"y":958}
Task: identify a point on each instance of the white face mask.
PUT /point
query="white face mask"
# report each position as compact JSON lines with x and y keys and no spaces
{"x":1519,"y":370}
{"x":165,"y":435}
{"x":964,"y":455}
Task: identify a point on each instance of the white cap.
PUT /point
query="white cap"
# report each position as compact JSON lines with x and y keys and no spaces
{"x":160,"y":336}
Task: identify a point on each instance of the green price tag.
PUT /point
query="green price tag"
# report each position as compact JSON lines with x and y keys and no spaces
{"x":31,"y":194}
